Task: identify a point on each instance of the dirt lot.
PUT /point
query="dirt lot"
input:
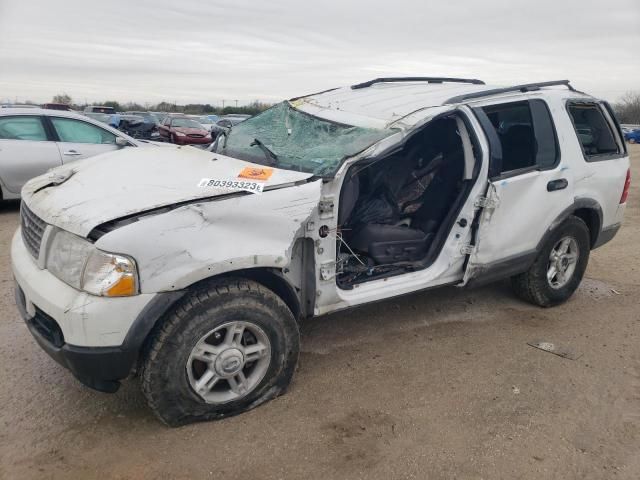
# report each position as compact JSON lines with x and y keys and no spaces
{"x":433,"y":385}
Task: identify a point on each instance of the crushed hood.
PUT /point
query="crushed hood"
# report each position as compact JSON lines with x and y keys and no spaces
{"x":80,"y":196}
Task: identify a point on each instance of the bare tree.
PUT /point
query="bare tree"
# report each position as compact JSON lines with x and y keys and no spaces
{"x":628,"y":108}
{"x":62,"y":98}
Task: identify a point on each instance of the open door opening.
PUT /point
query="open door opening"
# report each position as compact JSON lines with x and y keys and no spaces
{"x":396,"y":211}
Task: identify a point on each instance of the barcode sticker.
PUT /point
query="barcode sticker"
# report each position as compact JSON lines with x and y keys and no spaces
{"x":247,"y":186}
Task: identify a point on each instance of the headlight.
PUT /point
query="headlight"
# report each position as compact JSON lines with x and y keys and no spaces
{"x":67,"y":257}
{"x":180,"y":134}
{"x":78,"y":263}
{"x":110,"y":275}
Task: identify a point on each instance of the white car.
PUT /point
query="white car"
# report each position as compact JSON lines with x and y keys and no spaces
{"x":192,"y":268}
{"x":34,"y":140}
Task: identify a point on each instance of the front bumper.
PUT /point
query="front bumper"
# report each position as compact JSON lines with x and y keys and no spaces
{"x":99,"y":368}
{"x":97,"y":338}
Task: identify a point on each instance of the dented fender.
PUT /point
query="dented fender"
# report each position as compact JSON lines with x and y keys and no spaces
{"x":200,"y":240}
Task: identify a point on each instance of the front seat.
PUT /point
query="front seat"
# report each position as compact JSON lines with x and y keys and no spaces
{"x":389,"y":243}
{"x":384,"y":242}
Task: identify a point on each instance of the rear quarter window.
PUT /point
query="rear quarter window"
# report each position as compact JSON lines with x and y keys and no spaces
{"x":595,"y":132}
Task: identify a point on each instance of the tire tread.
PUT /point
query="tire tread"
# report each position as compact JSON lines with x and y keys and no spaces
{"x":181,"y":313}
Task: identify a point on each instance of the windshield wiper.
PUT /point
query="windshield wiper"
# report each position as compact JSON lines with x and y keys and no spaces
{"x":267,"y":151}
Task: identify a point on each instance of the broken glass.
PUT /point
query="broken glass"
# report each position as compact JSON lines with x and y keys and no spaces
{"x":299,"y":141}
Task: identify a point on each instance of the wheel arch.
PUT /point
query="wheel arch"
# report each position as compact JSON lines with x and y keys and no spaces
{"x":593,"y":218}
{"x":158,"y":309}
{"x":275,"y":280}
{"x":588,"y":210}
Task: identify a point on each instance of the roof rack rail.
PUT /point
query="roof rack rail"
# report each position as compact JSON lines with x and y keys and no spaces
{"x":417,"y":79}
{"x":526,"y":87}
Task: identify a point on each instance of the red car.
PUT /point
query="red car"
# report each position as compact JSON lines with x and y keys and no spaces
{"x":184,"y":131}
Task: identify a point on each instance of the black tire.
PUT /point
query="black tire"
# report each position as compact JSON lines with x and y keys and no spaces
{"x":533,"y":285}
{"x":164,"y":375}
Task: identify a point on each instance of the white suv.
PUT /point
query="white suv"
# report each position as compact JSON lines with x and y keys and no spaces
{"x":192,"y":268}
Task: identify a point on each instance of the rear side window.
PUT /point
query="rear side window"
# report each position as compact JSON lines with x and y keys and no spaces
{"x":593,"y":130}
{"x":22,"y":128}
{"x":75,"y":131}
{"x":526,"y":134}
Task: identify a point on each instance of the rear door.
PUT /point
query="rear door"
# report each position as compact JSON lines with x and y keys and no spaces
{"x":26,"y":150}
{"x":78,"y":139}
{"x":528,"y":187}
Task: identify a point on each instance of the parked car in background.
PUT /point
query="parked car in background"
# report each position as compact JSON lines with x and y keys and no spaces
{"x":139,"y":125}
{"x":148,"y":117}
{"x":99,"y":109}
{"x":632,"y":136}
{"x":34,"y":140}
{"x":57,"y":106}
{"x":113,"y":120}
{"x":206,"y":122}
{"x":17,"y":105}
{"x":160,"y":116}
{"x":224,"y":124}
{"x":184,"y":131}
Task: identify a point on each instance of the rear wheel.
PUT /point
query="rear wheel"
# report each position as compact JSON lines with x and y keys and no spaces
{"x":227,"y":348}
{"x":559,"y":267}
{"x":632,"y":140}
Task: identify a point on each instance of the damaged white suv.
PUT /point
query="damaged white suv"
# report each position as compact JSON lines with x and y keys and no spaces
{"x":192,"y":268}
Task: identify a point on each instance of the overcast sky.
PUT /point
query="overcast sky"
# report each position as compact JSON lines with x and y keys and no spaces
{"x":205,"y":51}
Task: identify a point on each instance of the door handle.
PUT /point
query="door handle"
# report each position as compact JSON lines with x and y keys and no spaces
{"x":71,"y":153}
{"x":559,"y":184}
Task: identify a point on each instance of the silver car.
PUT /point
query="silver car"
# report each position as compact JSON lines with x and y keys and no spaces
{"x":34,"y":140}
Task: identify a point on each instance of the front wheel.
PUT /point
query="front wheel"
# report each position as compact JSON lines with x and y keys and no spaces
{"x":559,"y":266}
{"x":228,"y":347}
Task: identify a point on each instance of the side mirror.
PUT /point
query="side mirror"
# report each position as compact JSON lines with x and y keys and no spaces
{"x":122,"y":142}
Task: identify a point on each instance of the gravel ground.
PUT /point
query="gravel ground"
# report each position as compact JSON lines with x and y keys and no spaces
{"x":433,"y":385}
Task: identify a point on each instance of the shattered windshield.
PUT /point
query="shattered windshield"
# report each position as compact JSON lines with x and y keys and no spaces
{"x":287,"y":138}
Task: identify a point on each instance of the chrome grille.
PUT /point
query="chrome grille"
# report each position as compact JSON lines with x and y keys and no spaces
{"x":32,"y":230}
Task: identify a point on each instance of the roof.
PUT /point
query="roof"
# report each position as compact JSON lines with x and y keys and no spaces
{"x":66,"y":114}
{"x":41,"y":111}
{"x":382,"y":103}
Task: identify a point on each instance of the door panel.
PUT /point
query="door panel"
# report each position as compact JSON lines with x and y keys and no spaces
{"x":70,"y":152}
{"x":22,"y":160}
{"x":520,"y":210}
{"x":25,"y":151}
{"x":80,"y":139}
